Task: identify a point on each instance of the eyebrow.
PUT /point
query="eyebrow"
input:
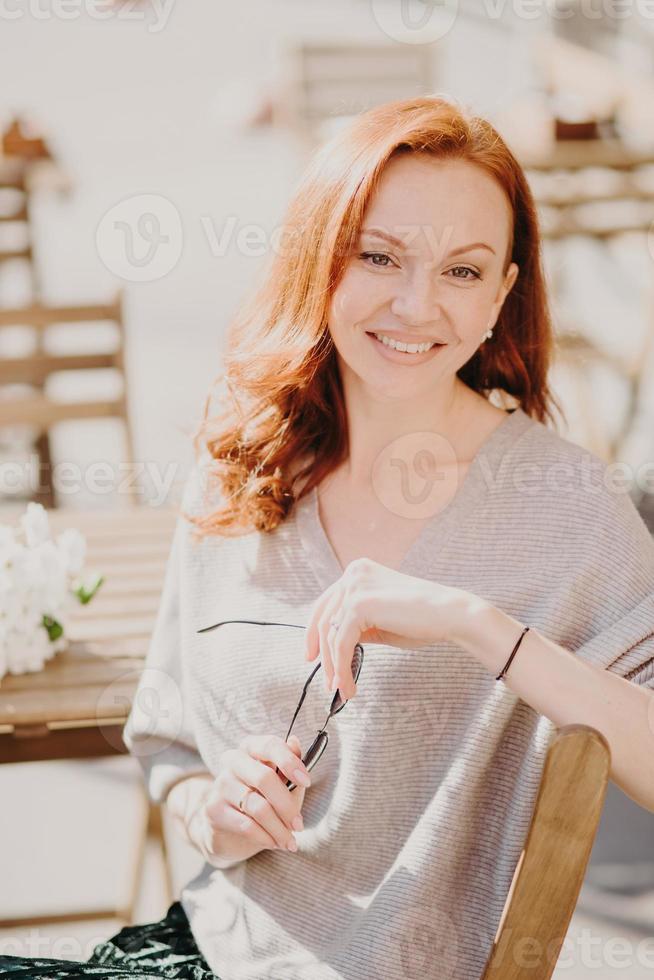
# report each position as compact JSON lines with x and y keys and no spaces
{"x":400,"y":244}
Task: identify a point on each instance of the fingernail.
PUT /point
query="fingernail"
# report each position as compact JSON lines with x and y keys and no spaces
{"x":297,"y":822}
{"x":334,"y":683}
{"x":292,"y":845}
{"x":301,"y":777}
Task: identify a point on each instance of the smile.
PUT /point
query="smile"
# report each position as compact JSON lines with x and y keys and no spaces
{"x":404,"y":353}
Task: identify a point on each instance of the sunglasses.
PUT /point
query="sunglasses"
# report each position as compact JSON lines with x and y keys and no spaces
{"x":319,"y":744}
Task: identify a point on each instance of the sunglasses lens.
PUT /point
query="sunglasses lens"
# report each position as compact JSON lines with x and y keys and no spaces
{"x":315,"y":750}
{"x":357,"y":663}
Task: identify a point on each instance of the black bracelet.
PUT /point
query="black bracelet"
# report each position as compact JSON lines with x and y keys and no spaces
{"x":513,"y":653}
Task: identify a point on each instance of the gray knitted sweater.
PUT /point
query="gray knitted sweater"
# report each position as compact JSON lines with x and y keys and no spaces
{"x":420,"y":806}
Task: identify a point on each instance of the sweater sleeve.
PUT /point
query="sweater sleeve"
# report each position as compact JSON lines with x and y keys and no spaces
{"x":626,"y":647}
{"x":159,"y":729}
{"x":615,"y":587}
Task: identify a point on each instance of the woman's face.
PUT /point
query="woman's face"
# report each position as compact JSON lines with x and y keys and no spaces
{"x":442,"y":280}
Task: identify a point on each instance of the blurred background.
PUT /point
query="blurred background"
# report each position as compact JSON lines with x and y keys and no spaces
{"x":148,"y":153}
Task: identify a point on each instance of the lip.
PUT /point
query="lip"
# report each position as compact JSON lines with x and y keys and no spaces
{"x":406,"y":338}
{"x":401,"y":357}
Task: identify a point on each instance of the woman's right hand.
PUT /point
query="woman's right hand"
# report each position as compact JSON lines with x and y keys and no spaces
{"x":226,"y":835}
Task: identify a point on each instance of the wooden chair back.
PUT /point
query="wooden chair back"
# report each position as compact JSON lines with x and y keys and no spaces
{"x":36,"y":408}
{"x":15,"y":216}
{"x":551,"y":869}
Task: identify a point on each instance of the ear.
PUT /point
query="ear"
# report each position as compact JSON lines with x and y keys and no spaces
{"x":506,"y":287}
{"x":509,"y":279}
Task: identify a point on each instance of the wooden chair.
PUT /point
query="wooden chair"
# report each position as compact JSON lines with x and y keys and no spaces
{"x":37,"y":409}
{"x":27,"y":165}
{"x":21,"y":141}
{"x":15,"y":183}
{"x":551,"y":869}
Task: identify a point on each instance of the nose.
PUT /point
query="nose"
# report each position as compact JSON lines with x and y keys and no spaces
{"x":416,"y":300}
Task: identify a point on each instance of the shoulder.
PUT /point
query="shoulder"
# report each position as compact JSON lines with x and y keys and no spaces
{"x":559,"y":481}
{"x":199,"y":495}
{"x":201,"y":489}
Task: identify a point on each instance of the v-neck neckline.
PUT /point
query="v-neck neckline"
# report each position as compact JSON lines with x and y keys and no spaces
{"x":318,"y":547}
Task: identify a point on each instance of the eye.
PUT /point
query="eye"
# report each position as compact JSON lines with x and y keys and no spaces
{"x":465,"y":268}
{"x":376,"y":255}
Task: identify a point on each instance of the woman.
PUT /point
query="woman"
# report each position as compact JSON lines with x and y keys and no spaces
{"x":413,"y":500}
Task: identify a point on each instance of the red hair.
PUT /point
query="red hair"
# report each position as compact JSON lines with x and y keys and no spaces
{"x":280,"y":389}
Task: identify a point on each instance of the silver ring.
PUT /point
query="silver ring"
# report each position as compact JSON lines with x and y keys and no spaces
{"x":242,"y":800}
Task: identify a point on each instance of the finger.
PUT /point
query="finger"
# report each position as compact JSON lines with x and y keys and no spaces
{"x":293,"y":743}
{"x":344,"y":641}
{"x":312,"y":638}
{"x":279,"y":803}
{"x":332,"y":638}
{"x":324,"y":630}
{"x":273,"y":749}
{"x":236,"y":822}
{"x":223,"y":817}
{"x":259,"y":808}
{"x":297,"y":795}
{"x":297,"y":792}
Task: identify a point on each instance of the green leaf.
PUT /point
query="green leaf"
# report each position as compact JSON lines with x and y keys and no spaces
{"x":85,"y":592}
{"x":55,"y":629}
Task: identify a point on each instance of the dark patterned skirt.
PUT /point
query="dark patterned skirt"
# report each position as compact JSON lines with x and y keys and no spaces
{"x":154,"y":950}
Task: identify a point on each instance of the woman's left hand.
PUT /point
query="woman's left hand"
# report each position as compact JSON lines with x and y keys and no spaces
{"x":375,"y":604}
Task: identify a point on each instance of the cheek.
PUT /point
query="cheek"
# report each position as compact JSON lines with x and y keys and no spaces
{"x":351,"y":304}
{"x":472,"y":311}
{"x":339,"y":310}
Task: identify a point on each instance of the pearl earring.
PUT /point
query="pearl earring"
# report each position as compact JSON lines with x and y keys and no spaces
{"x":488,"y":334}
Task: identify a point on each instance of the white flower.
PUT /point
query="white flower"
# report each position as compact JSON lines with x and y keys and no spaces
{"x":72,"y":546}
{"x":53,"y":578}
{"x":26,"y":651}
{"x":35,"y":524}
{"x":37,"y":583}
{"x":7,"y":536}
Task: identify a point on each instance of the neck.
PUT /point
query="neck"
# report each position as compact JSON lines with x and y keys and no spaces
{"x":378,"y":424}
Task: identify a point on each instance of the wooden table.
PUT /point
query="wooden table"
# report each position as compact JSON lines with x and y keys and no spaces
{"x":77,"y":705}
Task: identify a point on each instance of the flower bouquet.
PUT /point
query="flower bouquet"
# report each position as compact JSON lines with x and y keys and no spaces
{"x":39,"y":577}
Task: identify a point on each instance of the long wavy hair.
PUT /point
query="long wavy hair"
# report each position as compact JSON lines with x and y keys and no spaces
{"x":279,"y":425}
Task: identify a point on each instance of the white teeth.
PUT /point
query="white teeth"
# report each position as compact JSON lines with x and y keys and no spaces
{"x":408,"y":348}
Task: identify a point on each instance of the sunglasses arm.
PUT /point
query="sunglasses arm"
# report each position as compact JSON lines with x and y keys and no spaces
{"x":253,"y":622}
{"x":302,"y":697}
